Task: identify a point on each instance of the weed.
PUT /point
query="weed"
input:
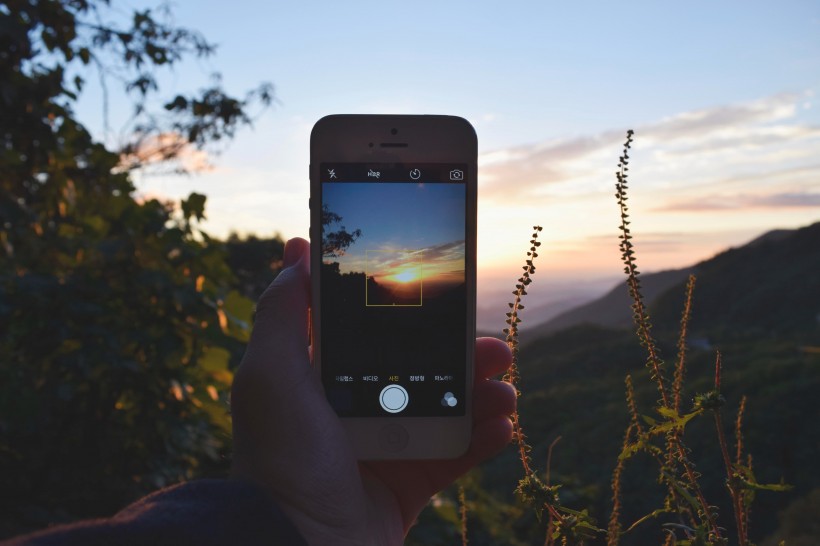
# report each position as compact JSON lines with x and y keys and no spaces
{"x":462,"y":511}
{"x":691,"y":519}
{"x":570,"y":526}
{"x":697,"y":520}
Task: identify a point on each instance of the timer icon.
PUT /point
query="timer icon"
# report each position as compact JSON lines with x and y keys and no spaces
{"x":415,"y":174}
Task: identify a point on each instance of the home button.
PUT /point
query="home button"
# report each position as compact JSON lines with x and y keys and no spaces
{"x":393,"y":438}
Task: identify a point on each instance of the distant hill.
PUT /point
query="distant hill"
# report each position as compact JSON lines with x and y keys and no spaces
{"x":768,"y":286}
{"x":612,"y":309}
{"x":740,"y":287}
{"x":758,"y":304}
{"x":536,"y":314}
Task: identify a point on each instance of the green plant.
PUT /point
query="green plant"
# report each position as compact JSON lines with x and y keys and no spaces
{"x":663,"y":439}
{"x":120,"y":323}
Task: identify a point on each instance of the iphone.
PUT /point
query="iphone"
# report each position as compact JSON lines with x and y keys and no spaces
{"x":393,"y":267}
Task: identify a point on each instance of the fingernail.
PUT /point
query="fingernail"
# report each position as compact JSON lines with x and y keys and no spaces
{"x":292,"y":253}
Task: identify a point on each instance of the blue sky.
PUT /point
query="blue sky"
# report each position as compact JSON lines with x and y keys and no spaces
{"x":399,"y":216}
{"x":722,"y":96}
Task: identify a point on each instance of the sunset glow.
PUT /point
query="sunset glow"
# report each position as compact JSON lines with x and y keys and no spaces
{"x":725,"y":149}
{"x":408,"y":275}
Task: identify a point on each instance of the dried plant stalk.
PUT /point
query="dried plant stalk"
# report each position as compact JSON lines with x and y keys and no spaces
{"x":677,"y":452}
{"x":512,"y":376}
{"x":462,"y":503}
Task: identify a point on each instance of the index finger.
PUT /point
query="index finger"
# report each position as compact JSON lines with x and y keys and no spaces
{"x":492,"y":357}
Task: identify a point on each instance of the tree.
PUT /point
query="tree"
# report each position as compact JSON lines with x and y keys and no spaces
{"x":118,"y":324}
{"x":255,"y":262}
{"x":335,"y":243}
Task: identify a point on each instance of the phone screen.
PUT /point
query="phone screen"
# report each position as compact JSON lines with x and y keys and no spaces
{"x":393,"y":293}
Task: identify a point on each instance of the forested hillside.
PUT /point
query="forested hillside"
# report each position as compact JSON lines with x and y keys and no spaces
{"x":759,"y":305}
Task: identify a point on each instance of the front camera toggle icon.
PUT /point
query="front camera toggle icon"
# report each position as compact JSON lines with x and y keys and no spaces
{"x":449,"y":400}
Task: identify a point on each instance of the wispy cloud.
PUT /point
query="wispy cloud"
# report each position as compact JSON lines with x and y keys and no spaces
{"x":701,"y":181}
{"x":445,"y":252}
{"x":736,"y":202}
{"x":760,"y":154}
{"x":167,"y":151}
{"x":727,"y":120}
{"x":388,"y":258}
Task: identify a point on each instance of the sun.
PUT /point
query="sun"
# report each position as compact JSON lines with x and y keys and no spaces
{"x":405,"y":276}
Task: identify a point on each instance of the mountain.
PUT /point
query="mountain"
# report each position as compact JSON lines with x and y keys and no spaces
{"x":490,"y":322}
{"x":759,"y":305}
{"x":612,"y":309}
{"x":770,"y":286}
{"x":751,"y":277}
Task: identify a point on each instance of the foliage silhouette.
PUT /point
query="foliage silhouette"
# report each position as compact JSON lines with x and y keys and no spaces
{"x":118,"y":316}
{"x":335,"y":243}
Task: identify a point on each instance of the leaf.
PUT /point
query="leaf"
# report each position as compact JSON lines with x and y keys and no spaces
{"x":768,"y":486}
{"x":666,"y":412}
{"x":682,"y":491}
{"x":194,"y":206}
{"x":214,"y":359}
{"x":651,"y":515}
{"x":673,"y":421}
{"x":641,"y":444}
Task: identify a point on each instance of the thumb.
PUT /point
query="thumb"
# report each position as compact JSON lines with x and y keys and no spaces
{"x":279,"y":342}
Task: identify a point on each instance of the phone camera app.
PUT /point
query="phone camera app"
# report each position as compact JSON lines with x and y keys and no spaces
{"x":456,"y":174}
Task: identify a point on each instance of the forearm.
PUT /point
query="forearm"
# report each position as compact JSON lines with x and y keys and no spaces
{"x":204,"y":512}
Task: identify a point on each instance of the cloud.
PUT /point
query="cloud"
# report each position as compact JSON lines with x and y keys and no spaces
{"x":646,"y":241}
{"x":767,"y":145}
{"x":438,"y":254}
{"x":736,"y":202}
{"x":749,"y":137}
{"x":710,"y":122}
{"x":788,"y":200}
{"x":164,"y":150}
{"x":521,"y":170}
{"x":445,"y":252}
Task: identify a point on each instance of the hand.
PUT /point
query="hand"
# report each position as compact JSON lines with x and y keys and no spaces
{"x":288,"y":439}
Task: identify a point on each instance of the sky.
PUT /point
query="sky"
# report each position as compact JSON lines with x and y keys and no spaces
{"x":723,"y":98}
{"x":399,"y":217}
{"x":412,"y":234}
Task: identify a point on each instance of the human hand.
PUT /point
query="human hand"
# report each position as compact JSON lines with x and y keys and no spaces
{"x":288,"y":439}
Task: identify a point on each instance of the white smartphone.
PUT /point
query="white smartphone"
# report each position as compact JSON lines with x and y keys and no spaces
{"x":393,"y":266}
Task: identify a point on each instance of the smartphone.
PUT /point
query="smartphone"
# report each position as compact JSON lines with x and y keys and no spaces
{"x":393,"y":267}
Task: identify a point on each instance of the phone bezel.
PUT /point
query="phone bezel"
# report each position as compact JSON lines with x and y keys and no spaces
{"x":428,"y":139}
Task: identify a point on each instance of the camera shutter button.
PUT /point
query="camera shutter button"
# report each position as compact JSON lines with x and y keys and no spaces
{"x":394,"y":398}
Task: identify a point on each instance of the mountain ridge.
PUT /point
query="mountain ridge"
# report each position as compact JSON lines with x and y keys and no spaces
{"x":612,"y":310}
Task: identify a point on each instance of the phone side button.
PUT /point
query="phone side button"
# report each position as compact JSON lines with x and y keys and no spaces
{"x":393,"y":438}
